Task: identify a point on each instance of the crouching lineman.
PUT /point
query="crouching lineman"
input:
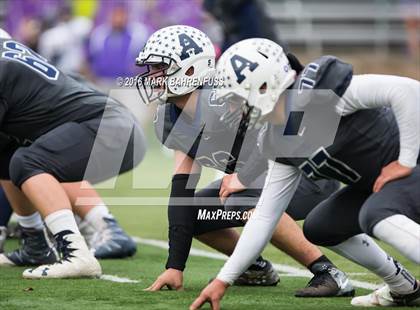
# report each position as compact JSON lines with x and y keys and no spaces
{"x":189,"y":124}
{"x":374,"y":152}
{"x":105,"y":238}
{"x":57,"y":132}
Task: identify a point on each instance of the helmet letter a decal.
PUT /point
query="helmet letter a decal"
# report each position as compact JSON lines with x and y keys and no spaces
{"x":188,"y":44}
{"x":239,"y":64}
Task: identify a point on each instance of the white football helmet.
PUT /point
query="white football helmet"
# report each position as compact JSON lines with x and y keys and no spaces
{"x":253,"y":73}
{"x":4,"y":34}
{"x":180,"y":56}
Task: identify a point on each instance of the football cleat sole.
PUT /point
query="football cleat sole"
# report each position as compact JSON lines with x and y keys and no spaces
{"x":75,"y":268}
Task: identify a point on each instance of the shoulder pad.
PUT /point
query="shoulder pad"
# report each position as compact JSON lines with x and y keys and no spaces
{"x":326,"y":72}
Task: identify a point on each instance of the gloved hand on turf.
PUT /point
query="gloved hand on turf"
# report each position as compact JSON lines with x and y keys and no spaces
{"x":230,"y":184}
{"x":392,"y":171}
{"x":212,"y":293}
{"x":171,"y":278}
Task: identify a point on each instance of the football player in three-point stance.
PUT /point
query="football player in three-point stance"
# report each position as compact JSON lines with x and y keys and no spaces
{"x":105,"y":238}
{"x":188,"y":123}
{"x":55,"y":133}
{"x":375,"y":152}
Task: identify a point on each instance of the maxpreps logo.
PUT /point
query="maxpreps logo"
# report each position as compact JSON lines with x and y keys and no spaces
{"x":206,"y":215}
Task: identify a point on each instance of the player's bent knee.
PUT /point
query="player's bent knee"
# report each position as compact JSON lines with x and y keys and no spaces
{"x":319,"y":232}
{"x":369,"y":217}
{"x":314,"y":233}
{"x":22,"y":167}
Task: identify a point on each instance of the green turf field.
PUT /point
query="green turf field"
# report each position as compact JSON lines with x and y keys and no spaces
{"x":149,"y":222}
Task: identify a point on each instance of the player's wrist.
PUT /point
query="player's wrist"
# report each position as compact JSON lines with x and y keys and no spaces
{"x":174,"y":270}
{"x":407,"y":164}
{"x":408,"y":158}
{"x":174,"y":266}
{"x":222,"y":283}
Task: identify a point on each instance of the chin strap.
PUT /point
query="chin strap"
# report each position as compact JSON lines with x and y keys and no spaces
{"x":295,"y":63}
{"x":242,"y":119}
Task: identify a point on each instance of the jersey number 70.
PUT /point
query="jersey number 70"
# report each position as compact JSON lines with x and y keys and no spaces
{"x":18,"y":52}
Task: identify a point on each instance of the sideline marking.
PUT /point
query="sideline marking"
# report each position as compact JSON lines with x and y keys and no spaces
{"x":284,"y":270}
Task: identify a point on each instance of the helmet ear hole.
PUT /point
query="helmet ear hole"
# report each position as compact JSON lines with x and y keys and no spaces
{"x":190,"y":71}
{"x":263,"y":88}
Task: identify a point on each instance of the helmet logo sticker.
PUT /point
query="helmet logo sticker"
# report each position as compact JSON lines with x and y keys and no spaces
{"x":239,"y":63}
{"x":189,"y":46}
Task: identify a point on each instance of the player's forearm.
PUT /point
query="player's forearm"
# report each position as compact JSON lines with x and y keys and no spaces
{"x":278,"y":191}
{"x":254,"y":238}
{"x":406,"y":106}
{"x":402,"y":95}
{"x":181,"y":218}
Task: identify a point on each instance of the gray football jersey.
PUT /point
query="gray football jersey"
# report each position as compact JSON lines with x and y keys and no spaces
{"x":36,"y":97}
{"x":204,"y":137}
{"x":365,"y":141}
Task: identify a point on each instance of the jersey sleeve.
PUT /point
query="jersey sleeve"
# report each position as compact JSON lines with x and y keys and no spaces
{"x":280,"y":185}
{"x":182,"y":215}
{"x":401,"y":94}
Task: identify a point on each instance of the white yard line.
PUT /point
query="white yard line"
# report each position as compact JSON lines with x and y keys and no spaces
{"x":285,"y":270}
{"x":112,"y":278}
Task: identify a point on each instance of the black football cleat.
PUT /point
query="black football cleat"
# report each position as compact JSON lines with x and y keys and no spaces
{"x":329,"y":282}
{"x":34,"y":250}
{"x":262,"y":273}
{"x":112,"y":242}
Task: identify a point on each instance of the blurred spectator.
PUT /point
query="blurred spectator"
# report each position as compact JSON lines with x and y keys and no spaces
{"x":136,"y":10}
{"x":27,"y":18}
{"x":213,"y":28}
{"x":114,"y":45}
{"x":242,"y":19}
{"x":63,"y":44}
{"x":28,"y":32}
{"x":155,"y":13}
{"x":164,"y":13}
